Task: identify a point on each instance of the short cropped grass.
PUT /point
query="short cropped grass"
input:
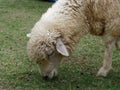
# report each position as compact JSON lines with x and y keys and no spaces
{"x":77,"y":72}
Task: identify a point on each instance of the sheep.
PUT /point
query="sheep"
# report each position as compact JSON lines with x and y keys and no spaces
{"x":55,"y":35}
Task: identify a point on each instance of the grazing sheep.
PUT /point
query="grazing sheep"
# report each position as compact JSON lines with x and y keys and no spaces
{"x":60,"y":28}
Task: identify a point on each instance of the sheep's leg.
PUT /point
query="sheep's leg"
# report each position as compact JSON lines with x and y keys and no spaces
{"x":107,"y":63}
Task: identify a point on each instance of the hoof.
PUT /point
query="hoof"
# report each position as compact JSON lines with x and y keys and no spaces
{"x":103,"y":72}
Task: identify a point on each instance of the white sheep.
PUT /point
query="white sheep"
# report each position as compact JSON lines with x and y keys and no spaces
{"x":63,"y":25}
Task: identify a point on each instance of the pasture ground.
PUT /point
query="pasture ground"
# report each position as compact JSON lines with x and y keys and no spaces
{"x":77,"y":72}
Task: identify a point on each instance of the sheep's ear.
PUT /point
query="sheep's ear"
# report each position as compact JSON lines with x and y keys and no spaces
{"x":61,"y":48}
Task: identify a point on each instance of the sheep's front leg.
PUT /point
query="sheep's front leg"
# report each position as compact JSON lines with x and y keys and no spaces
{"x":107,"y":63}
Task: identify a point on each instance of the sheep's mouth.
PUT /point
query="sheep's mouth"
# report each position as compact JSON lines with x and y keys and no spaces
{"x":50,"y":75}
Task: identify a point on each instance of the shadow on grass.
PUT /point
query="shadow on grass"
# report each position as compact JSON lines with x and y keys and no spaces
{"x":67,"y":80}
{"x":32,"y":76}
{"x":26,"y":76}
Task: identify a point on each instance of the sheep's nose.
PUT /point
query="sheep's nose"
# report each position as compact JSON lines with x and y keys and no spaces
{"x":46,"y":77}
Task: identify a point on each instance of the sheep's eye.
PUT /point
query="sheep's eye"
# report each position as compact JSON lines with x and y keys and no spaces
{"x":38,"y":62}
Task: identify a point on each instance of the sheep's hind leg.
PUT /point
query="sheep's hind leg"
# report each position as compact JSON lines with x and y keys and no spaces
{"x":107,"y":63}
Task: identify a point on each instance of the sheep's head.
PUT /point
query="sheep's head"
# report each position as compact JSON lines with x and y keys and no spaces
{"x":47,"y":53}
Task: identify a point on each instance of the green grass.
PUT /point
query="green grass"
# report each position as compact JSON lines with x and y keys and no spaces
{"x":76,"y":72}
